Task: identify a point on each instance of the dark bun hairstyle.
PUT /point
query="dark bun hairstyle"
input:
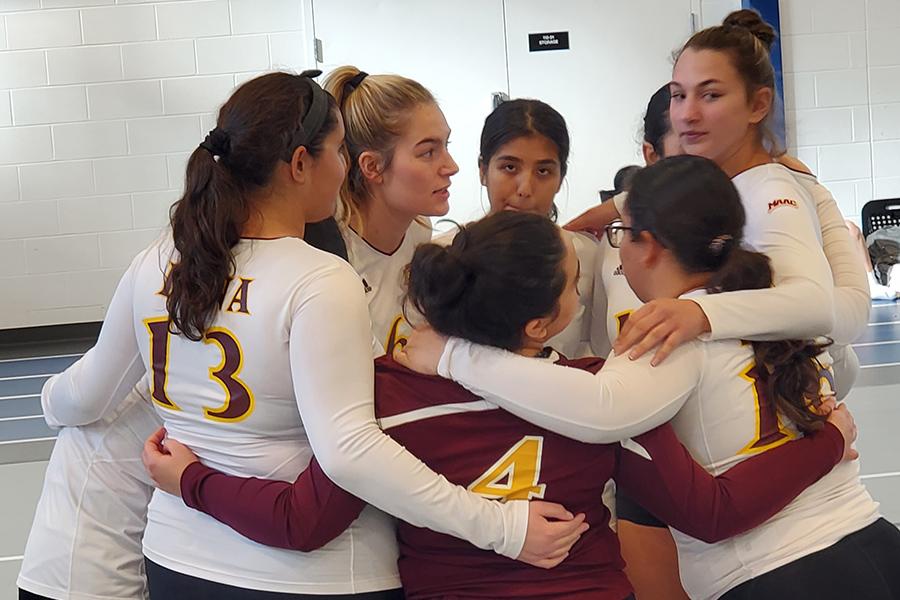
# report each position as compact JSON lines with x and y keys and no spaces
{"x":497,"y":275}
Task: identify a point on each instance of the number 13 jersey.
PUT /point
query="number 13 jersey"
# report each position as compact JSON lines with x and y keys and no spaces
{"x":231,"y":398}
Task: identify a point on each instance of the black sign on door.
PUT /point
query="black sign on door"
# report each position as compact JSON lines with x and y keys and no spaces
{"x":557,"y":40}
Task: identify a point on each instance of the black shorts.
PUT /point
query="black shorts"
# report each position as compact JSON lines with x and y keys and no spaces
{"x":864,"y":565}
{"x":166,"y":584}
{"x":629,"y":510}
{"x":25,"y":595}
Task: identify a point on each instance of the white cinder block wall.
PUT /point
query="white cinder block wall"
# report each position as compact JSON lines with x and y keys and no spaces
{"x":842,"y":88}
{"x":841,"y":63}
{"x":101,"y":102}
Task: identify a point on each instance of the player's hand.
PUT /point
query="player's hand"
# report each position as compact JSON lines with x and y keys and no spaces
{"x":166,"y":459}
{"x":841,"y":418}
{"x":665,"y":324}
{"x":824,"y":407}
{"x":594,"y":220}
{"x":552,"y":530}
{"x":422,"y":351}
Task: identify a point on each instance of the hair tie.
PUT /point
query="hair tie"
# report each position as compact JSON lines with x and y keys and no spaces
{"x":217,"y":142}
{"x":354,"y":81}
{"x":719,"y":243}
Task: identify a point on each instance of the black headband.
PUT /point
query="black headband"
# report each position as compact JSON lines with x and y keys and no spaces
{"x":315,"y":116}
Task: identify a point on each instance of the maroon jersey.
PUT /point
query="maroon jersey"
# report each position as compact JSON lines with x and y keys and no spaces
{"x":497,"y":455}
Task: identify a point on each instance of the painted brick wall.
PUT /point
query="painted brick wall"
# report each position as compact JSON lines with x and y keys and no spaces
{"x":101,"y":102}
{"x":842,"y":92}
{"x":842,"y":88}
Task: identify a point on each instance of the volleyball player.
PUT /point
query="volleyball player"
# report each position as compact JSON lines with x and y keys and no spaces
{"x":234,"y":284}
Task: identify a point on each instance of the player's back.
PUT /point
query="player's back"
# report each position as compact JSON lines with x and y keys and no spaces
{"x":85,"y":540}
{"x":225,"y":395}
{"x":729,"y":418}
{"x":230,"y":398}
{"x":497,"y":455}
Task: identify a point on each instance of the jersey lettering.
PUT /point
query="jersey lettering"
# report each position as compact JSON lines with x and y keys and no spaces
{"x":240,"y":298}
{"x":159,"y":361}
{"x":515,"y":475}
{"x":779,"y":202}
{"x":238,"y":397}
{"x":770,"y":432}
{"x":239,"y":402}
{"x":395,"y":338}
{"x":621,"y":318}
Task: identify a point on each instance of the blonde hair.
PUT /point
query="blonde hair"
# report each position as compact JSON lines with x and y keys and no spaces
{"x":375,"y":113}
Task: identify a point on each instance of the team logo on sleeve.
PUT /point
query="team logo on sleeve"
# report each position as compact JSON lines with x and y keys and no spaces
{"x":779,"y":202}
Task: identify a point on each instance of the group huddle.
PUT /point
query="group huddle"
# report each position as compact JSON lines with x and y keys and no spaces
{"x":230,"y":435}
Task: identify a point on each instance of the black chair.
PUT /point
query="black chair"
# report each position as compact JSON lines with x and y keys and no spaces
{"x":878,"y":214}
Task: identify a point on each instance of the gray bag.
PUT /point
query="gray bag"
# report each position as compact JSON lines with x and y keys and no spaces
{"x":884,"y":249}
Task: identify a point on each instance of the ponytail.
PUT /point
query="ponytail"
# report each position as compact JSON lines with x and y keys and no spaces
{"x":205,"y":227}
{"x":789,"y":369}
{"x":263,"y":122}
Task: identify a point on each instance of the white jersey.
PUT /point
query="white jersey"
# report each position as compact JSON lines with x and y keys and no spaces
{"x":274,"y":348}
{"x":726,"y":420}
{"x":851,"y":295}
{"x":782,"y":224}
{"x":620,"y":299}
{"x":707,"y":389}
{"x":851,"y":288}
{"x":85,"y":541}
{"x":382,"y":276}
{"x":575,"y":340}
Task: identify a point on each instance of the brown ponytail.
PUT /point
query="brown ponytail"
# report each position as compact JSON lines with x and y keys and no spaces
{"x":261,"y":124}
{"x":789,"y":369}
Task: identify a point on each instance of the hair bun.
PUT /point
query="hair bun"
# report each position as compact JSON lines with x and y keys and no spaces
{"x":752,"y":22}
{"x":437,"y":277}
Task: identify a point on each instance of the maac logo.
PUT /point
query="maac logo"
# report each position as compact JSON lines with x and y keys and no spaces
{"x":782,"y":202}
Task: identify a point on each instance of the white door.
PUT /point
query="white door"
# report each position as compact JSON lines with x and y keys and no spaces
{"x":621,"y":52}
{"x":455,"y":49}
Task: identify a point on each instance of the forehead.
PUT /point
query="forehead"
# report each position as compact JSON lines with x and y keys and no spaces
{"x":338,"y":130}
{"x":425,"y":121}
{"x":529,"y":148}
{"x":697,"y":66}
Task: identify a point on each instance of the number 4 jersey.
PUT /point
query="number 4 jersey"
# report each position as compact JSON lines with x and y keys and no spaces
{"x":497,"y":455}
